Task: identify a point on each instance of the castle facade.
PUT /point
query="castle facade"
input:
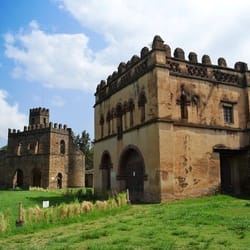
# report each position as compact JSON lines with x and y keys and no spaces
{"x":170,"y":127}
{"x":42,"y":155}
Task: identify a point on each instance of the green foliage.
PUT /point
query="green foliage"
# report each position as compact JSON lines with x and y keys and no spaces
{"x":4,"y":148}
{"x":84,"y":143}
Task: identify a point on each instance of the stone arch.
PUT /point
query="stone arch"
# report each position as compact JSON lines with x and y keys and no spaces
{"x":105,"y":167}
{"x":18,"y":178}
{"x":132,"y":172}
{"x":59,"y":180}
{"x":36,"y":177}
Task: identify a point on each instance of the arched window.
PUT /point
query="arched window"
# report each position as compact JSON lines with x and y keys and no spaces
{"x":183,"y":102}
{"x":36,"y":149}
{"x":62,"y":147}
{"x":131,"y":107}
{"x":59,"y":180}
{"x":184,"y":110}
{"x":125,"y":110}
{"x":102,"y":124}
{"x":119,"y":121}
{"x":19,"y":149}
{"x":141,"y":103}
{"x":18,"y":179}
{"x":108,"y":119}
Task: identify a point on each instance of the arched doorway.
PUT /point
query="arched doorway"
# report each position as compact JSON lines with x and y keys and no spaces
{"x":36,"y":177}
{"x":105,"y":167}
{"x":59,"y":180}
{"x":18,"y":179}
{"x":132,"y":171}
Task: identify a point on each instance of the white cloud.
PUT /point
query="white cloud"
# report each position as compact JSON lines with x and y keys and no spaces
{"x":219,"y":28}
{"x":10,"y":117}
{"x":55,"y":60}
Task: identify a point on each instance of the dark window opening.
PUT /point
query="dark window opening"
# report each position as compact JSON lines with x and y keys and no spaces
{"x":184,"y":107}
{"x":141,"y":103}
{"x":228,"y":113}
{"x":131,"y":108}
{"x":119,"y":121}
{"x":62,"y":147}
{"x":102,"y":125}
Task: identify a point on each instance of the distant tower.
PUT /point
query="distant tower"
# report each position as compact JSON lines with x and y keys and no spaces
{"x":39,"y":116}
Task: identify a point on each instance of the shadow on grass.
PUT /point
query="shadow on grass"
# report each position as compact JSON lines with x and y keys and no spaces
{"x":53,"y":200}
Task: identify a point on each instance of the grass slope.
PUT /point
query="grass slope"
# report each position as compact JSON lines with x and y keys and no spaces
{"x":219,"y":222}
{"x":9,"y":200}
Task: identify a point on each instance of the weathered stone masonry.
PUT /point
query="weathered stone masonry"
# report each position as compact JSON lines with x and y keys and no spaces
{"x":169,"y":128}
{"x":42,"y":155}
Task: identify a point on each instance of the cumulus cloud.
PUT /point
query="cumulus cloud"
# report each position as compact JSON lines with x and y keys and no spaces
{"x":55,"y":60}
{"x":217,"y":28}
{"x":208,"y":26}
{"x":10,"y":117}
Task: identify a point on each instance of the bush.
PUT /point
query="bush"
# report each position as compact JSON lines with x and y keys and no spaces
{"x":65,"y":211}
{"x":4,"y":222}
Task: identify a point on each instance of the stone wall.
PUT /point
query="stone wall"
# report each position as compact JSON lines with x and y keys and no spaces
{"x":195,"y":113}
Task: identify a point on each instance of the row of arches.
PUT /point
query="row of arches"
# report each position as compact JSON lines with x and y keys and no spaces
{"x":35,"y":179}
{"x":131,"y":172}
{"x":120,"y":113}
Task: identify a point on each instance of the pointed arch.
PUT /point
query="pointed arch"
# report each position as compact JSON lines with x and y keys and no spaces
{"x":105,"y":166}
{"x":132,"y":172}
{"x":141,"y":104}
{"x":36,"y":177}
{"x":18,"y":178}
{"x":59,"y":180}
{"x":119,"y":111}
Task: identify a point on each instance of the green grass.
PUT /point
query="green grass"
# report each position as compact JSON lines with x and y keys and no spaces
{"x":9,"y":200}
{"x":219,"y":222}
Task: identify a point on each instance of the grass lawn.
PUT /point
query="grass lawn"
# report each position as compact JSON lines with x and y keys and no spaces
{"x":9,"y":200}
{"x":219,"y":222}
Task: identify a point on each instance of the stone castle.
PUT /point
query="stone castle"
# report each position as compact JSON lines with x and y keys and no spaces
{"x":42,"y":155}
{"x":167,"y":127}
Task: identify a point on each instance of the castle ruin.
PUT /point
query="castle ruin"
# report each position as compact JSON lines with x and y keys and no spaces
{"x":42,"y":155}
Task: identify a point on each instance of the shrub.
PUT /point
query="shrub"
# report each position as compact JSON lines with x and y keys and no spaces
{"x":4,"y":222}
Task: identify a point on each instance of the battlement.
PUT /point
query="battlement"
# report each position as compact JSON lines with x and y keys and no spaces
{"x":37,"y":127}
{"x":39,"y":116}
{"x":39,"y":111}
{"x":177,"y":64}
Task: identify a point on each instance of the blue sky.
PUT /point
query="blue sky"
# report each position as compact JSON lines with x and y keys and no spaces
{"x":53,"y":53}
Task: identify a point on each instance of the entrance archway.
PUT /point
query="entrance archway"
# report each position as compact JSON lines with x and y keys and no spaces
{"x":132,"y":171}
{"x":36,"y":177}
{"x":105,"y":167}
{"x":59,"y":180}
{"x":18,"y":179}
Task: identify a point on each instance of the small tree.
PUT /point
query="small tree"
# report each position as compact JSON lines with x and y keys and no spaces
{"x":84,"y":143}
{"x":4,"y":148}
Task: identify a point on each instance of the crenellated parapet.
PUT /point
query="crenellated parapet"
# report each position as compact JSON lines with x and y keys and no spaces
{"x":39,"y":111}
{"x":177,"y":64}
{"x":55,"y":127}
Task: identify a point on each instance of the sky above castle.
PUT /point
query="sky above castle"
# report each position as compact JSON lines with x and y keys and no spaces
{"x":53,"y":53}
